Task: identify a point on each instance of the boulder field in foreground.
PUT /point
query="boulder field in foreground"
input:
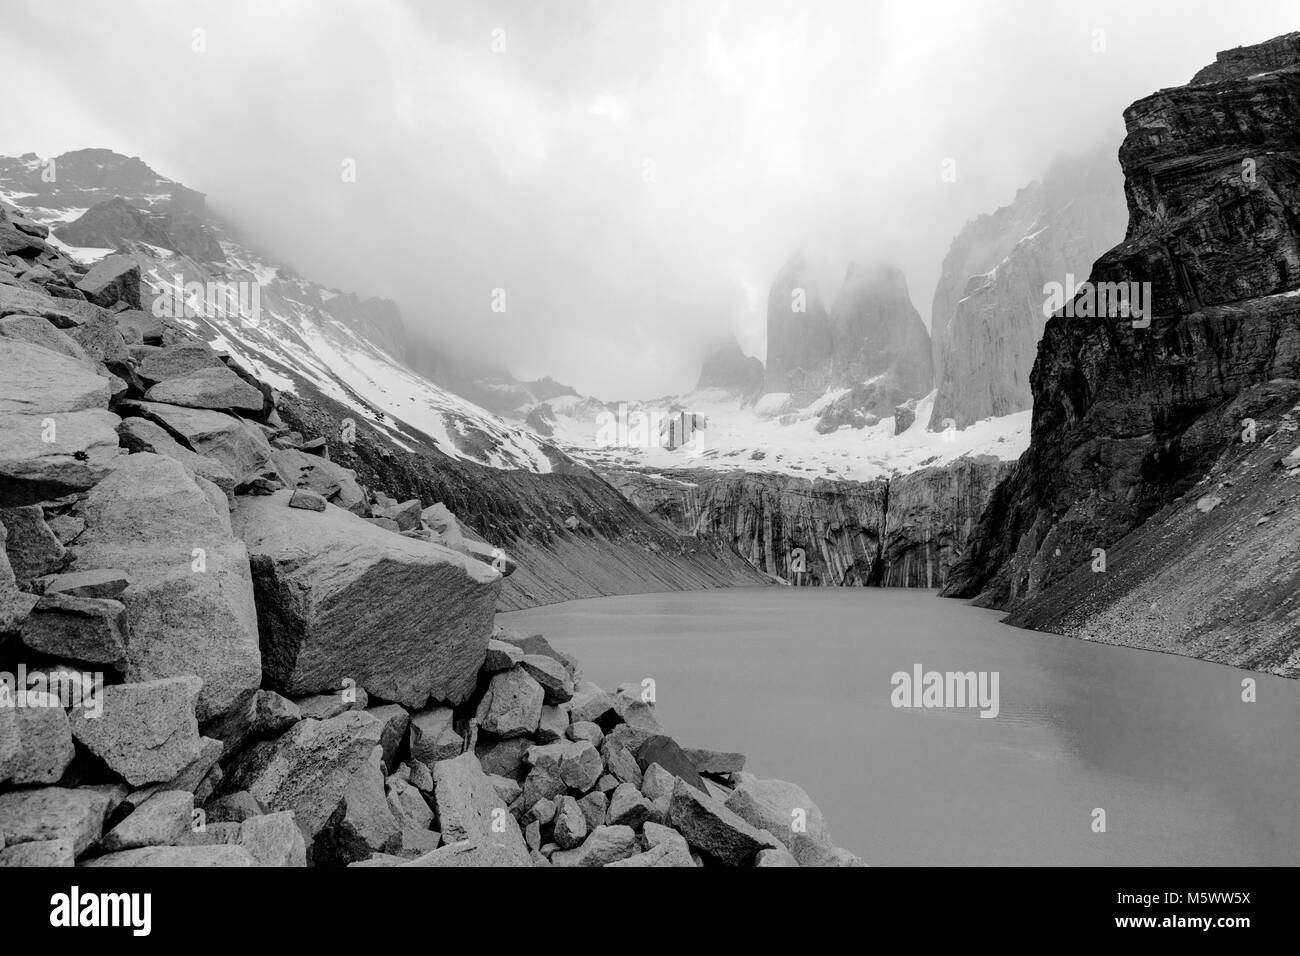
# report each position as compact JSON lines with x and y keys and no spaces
{"x":170,"y":569}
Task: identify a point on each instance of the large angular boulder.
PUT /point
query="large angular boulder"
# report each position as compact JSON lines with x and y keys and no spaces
{"x":88,"y":630}
{"x":512,"y":705}
{"x":32,"y":547}
{"x":35,"y":741}
{"x":215,"y":387}
{"x":603,"y":846}
{"x":274,"y":839}
{"x":52,"y":813}
{"x":161,"y":820}
{"x":190,"y":606}
{"x":238,"y":444}
{"x":434,"y":737}
{"x":469,"y":808}
{"x":333,"y":482}
{"x":112,"y":280}
{"x":259,"y":714}
{"x":140,"y":434}
{"x":310,"y":768}
{"x":47,"y":456}
{"x":338,"y":597}
{"x":178,"y":361}
{"x":710,"y":827}
{"x":36,"y":381}
{"x":363,"y":823}
{"x":147,"y":731}
{"x":37,"y":331}
{"x":789,"y":814}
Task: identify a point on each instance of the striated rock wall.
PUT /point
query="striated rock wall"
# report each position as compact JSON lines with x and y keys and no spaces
{"x":1129,"y":420}
{"x":901,"y":532}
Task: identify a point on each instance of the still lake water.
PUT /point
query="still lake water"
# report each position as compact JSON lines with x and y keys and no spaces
{"x":799,"y":681}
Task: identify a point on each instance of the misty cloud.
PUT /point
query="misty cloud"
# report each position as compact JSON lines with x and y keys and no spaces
{"x":632,"y":173}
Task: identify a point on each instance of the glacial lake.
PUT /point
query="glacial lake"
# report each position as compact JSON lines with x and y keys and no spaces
{"x":800,"y":681}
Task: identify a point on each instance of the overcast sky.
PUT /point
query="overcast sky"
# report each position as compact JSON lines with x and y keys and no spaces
{"x":631,"y":172}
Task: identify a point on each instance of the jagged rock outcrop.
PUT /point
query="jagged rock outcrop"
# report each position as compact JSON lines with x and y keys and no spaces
{"x":799,"y":341}
{"x":987,"y":315}
{"x":872,"y":339}
{"x":729,"y":368}
{"x":879,"y":337}
{"x":1127,"y":421}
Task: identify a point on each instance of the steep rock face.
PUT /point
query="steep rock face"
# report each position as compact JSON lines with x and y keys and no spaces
{"x":872,"y":335}
{"x":799,"y":343}
{"x":987,"y":315}
{"x":1128,"y":419}
{"x":878,"y":333}
{"x":902,"y":532}
{"x":729,"y":368}
{"x":931,"y":516}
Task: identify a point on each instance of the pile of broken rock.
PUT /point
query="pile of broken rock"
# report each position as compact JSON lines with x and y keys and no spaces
{"x":217,"y":648}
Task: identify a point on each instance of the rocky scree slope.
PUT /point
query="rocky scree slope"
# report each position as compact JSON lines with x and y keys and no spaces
{"x":218,"y":649}
{"x":1171,"y":447}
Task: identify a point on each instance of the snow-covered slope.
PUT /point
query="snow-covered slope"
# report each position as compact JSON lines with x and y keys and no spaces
{"x":279,"y":326}
{"x":771,"y":435}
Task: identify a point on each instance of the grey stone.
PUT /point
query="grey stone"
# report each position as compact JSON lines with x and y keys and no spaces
{"x":570,"y":824}
{"x":36,"y":381}
{"x":628,"y":807}
{"x":395,"y":720}
{"x":53,"y":813}
{"x":35,"y":741}
{"x":512,"y":705}
{"x":551,"y":674}
{"x":89,"y":630}
{"x":308,"y":769}
{"x":274,"y":840}
{"x":39,"y":853}
{"x":501,"y":656}
{"x":710,"y":827}
{"x":216,"y":387}
{"x":159,"y":821}
{"x":433,"y":736}
{"x":32,"y":547}
{"x":188,"y":856}
{"x":469,"y":808}
{"x":306,"y":499}
{"x":603,"y":846}
{"x":34,"y":468}
{"x":190,"y":604}
{"x":140,"y":434}
{"x":595,"y":807}
{"x":103,"y":583}
{"x":147,"y":732}
{"x":405,"y":619}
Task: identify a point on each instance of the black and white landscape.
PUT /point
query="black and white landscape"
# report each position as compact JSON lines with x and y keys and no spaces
{"x":649,"y":435}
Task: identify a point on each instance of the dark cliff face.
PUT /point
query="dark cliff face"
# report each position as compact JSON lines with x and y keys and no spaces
{"x":988,"y":306}
{"x":872,"y":333}
{"x":901,"y":532}
{"x":1127,"y":420}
